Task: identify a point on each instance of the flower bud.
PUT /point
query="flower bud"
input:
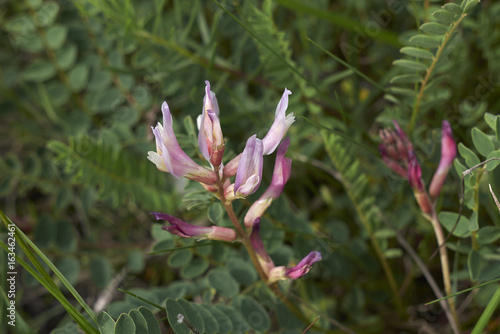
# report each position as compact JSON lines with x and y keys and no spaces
{"x":210,"y":138}
{"x":249,"y":172}
{"x":395,"y":149}
{"x":302,"y":268}
{"x":448,"y":153}
{"x":185,"y":230}
{"x":231,"y":167}
{"x":414,"y":172}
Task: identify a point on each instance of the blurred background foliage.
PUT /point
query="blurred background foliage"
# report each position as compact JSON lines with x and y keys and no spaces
{"x":82,"y":82}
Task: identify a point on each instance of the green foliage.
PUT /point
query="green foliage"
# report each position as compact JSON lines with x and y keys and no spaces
{"x":140,"y":320}
{"x":82,"y":82}
{"x":119,"y":175}
{"x":482,"y":258}
{"x":418,"y":87}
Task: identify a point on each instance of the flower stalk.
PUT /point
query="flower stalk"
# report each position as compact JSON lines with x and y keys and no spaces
{"x":398,"y":154}
{"x":247,"y":169}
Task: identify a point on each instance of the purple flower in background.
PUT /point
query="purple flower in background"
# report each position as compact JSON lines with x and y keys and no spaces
{"x":169,"y":157}
{"x":210,"y":138}
{"x":280,"y":125}
{"x":448,"y":154}
{"x":414,"y":177}
{"x":395,"y":149}
{"x":281,"y":174}
{"x":414,"y":172}
{"x":185,"y":230}
{"x":249,"y":172}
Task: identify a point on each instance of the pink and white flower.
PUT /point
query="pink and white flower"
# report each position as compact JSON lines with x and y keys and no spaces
{"x":169,"y":157}
{"x":280,"y":125}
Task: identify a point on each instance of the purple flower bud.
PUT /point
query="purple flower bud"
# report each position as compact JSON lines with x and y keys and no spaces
{"x":280,"y":126}
{"x":185,"y":230}
{"x":249,"y":172}
{"x":264,"y":259}
{"x":414,"y":172}
{"x":231,"y":167}
{"x":395,"y":166}
{"x":169,"y":157}
{"x":395,"y":149}
{"x":281,"y":174}
{"x":303,"y":266}
{"x":210,"y":138}
{"x":448,"y":153}
{"x":414,"y":177}
{"x":404,"y":144}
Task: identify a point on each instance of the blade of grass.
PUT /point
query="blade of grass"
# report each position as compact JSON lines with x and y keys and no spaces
{"x":21,"y":326}
{"x":144,"y":300}
{"x":23,"y":241}
{"x":464,"y":291}
{"x":488,"y":312}
{"x":49,"y":285}
{"x":349,"y":66}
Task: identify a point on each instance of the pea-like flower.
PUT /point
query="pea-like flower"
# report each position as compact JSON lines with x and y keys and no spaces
{"x":448,"y":154}
{"x":185,"y":230}
{"x":169,"y":157}
{"x":280,"y":125}
{"x":281,"y":174}
{"x":302,"y":268}
{"x":249,"y":172}
{"x":210,"y":138}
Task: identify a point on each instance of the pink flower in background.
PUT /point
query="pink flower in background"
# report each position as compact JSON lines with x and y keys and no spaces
{"x":395,"y":149}
{"x":414,"y":172}
{"x":169,"y":157}
{"x":448,"y":154}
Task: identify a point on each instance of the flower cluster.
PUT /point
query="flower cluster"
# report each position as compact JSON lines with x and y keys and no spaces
{"x":246,"y":167}
{"x":398,"y":154}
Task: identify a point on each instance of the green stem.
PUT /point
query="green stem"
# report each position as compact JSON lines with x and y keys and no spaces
{"x":385,"y":265}
{"x":445,"y":266}
{"x":245,"y":240}
{"x":425,"y":81}
{"x":388,"y":272}
{"x":475,"y":209}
